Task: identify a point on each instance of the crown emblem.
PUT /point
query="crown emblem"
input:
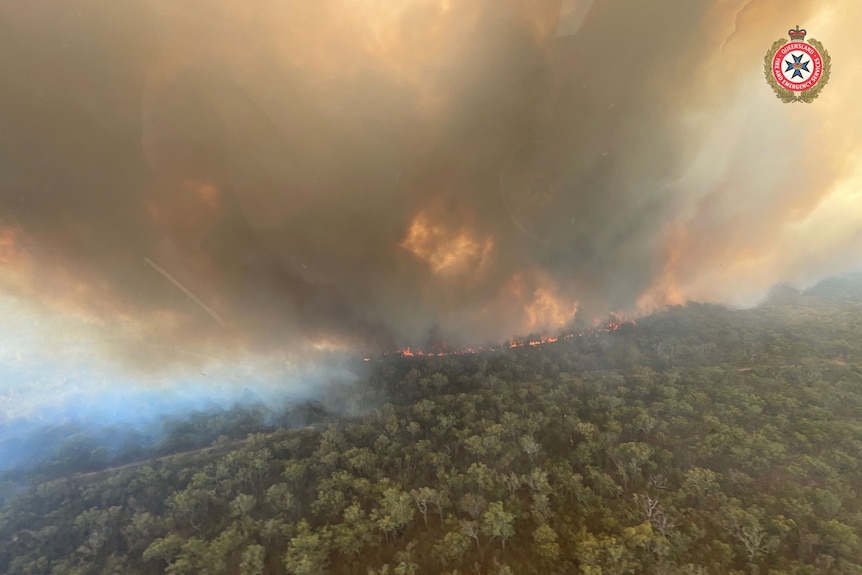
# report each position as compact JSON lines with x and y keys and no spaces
{"x":797,"y":70}
{"x":797,"y":35}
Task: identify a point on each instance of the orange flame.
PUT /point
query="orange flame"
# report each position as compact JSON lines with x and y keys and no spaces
{"x":614,"y":324}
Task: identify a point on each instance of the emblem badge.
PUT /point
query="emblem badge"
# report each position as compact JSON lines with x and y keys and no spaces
{"x":797,"y":70}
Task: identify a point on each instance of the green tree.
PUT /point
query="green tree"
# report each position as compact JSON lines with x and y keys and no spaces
{"x":424,"y":496}
{"x":281,"y":499}
{"x":395,"y":512}
{"x":164,"y":549}
{"x":142,"y":530}
{"x":474,"y":505}
{"x":242,"y":505}
{"x":497,"y":523}
{"x":354,"y":533}
{"x":747,"y":529}
{"x":194,"y":557}
{"x":545,"y":542}
{"x":253,"y":560}
{"x":452,"y":547}
{"x":306,"y":552}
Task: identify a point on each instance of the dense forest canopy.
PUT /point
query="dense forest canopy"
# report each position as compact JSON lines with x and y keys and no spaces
{"x":699,"y":441}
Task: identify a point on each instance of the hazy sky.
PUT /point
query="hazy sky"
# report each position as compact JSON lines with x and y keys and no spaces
{"x":269,"y":179}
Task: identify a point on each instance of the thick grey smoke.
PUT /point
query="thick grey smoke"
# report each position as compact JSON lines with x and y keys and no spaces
{"x":262,"y":175}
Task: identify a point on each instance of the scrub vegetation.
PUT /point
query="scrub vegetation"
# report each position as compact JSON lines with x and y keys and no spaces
{"x":699,"y":441}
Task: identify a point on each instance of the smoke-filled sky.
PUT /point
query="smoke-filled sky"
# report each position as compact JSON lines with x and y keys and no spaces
{"x":183,"y":181}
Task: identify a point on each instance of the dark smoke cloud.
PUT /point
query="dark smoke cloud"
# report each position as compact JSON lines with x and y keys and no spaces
{"x":360,"y":173}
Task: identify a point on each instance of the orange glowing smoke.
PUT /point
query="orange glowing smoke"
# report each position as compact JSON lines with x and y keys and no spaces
{"x":27,"y":270}
{"x":444,"y":251}
{"x":207,"y":193}
{"x":666,"y":289}
{"x":185,"y":210}
{"x":548,"y":310}
{"x":10,"y":251}
{"x":545,"y":309}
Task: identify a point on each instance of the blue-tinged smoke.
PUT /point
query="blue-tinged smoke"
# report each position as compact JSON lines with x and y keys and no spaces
{"x":73,"y":416}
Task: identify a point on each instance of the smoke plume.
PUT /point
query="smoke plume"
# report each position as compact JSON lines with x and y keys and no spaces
{"x":221,"y":178}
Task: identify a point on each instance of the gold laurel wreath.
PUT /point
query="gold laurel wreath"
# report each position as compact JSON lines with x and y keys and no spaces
{"x":786,"y":95}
